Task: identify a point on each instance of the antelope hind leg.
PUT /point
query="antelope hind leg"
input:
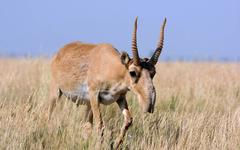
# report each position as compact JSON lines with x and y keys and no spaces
{"x":97,"y":120}
{"x":54,"y":97}
{"x":87,"y":126}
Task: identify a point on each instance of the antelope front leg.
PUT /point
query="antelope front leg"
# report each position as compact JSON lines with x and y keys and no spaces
{"x":89,"y":114}
{"x":122,"y":103}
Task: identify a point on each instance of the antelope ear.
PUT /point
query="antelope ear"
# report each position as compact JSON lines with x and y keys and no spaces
{"x":125,"y":58}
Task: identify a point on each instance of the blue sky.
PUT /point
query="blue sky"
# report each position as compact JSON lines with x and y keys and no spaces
{"x":195,"y":29}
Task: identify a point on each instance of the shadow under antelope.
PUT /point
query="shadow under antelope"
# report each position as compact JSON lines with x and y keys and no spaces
{"x":94,"y":74}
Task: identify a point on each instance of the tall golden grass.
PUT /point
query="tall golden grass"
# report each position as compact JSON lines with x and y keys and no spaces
{"x":198,"y":107}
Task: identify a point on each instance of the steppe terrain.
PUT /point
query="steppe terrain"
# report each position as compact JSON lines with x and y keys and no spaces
{"x":198,"y":107}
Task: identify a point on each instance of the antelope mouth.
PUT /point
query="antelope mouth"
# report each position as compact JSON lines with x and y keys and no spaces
{"x":150,"y":109}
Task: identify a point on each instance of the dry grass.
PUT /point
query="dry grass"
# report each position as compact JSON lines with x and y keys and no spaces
{"x":198,"y":107}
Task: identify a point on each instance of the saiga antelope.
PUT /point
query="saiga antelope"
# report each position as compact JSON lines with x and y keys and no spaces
{"x":94,"y":74}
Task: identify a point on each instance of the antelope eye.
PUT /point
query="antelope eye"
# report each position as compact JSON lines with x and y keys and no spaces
{"x":133,"y":74}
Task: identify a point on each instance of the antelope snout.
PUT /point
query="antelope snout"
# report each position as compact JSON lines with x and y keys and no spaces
{"x":151,"y":104}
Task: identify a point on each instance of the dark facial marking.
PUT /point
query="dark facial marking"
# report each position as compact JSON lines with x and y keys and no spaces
{"x":146,"y":65}
{"x":150,"y":67}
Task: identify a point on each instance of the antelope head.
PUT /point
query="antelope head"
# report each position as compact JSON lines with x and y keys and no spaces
{"x":141,"y":71}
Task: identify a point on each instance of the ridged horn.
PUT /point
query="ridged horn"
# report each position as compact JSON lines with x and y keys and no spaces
{"x":136,"y":59}
{"x":158,"y":50}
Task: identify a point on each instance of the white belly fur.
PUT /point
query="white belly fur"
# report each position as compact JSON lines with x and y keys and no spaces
{"x":81,"y":94}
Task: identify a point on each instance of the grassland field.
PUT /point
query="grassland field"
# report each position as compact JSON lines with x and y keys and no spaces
{"x":197,"y":107}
